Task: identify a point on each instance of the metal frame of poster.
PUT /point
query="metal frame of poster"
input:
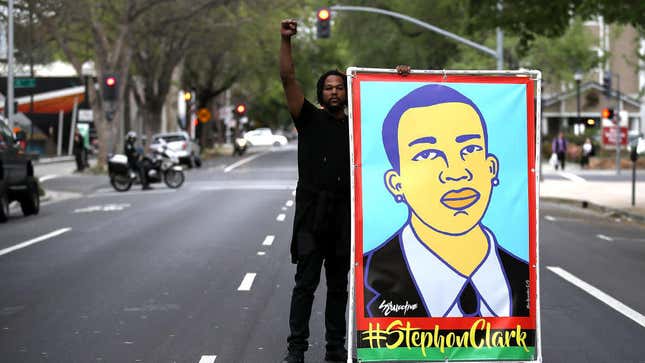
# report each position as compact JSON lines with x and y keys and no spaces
{"x":423,"y":190}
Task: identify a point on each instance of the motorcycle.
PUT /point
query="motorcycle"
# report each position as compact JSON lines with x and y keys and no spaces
{"x":239,"y":146}
{"x":162,"y":164}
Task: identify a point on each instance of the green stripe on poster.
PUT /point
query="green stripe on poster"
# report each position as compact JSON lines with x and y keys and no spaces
{"x":453,"y":354}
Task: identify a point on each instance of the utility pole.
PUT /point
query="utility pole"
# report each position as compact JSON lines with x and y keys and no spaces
{"x":10,"y":97}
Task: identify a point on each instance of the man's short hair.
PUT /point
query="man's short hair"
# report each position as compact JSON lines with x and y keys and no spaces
{"x":321,"y":82}
{"x":424,"y":96}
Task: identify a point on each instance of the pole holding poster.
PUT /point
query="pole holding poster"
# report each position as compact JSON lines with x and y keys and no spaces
{"x":444,"y":215}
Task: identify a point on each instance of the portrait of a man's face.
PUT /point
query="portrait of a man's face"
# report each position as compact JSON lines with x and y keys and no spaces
{"x":445,"y":172}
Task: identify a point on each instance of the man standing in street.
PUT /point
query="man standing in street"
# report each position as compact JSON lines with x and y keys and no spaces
{"x":559,"y":148}
{"x":321,"y":230}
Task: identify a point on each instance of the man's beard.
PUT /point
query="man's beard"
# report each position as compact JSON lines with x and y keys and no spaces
{"x":333,"y":108}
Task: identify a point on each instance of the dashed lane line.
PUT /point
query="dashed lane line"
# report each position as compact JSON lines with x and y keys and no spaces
{"x":268,"y":240}
{"x":606,"y":238}
{"x":281,"y":217}
{"x":550,"y":218}
{"x":289,"y":203}
{"x":247,"y":282}
{"x":34,"y":241}
{"x":598,"y":294}
{"x":208,"y":359}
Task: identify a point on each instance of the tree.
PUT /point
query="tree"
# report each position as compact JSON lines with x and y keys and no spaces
{"x":175,"y":27}
{"x":99,"y":30}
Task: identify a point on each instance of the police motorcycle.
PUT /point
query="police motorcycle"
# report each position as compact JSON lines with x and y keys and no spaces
{"x":162,"y":164}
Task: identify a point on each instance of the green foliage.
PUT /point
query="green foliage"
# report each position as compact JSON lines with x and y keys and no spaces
{"x":559,"y":58}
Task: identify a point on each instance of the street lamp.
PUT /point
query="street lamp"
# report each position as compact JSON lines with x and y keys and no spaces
{"x":578,"y":77}
{"x":87,"y":71}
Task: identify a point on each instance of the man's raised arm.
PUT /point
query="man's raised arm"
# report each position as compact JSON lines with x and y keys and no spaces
{"x":292,"y":90}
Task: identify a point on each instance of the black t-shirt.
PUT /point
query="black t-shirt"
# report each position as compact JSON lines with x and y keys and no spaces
{"x":323,"y":150}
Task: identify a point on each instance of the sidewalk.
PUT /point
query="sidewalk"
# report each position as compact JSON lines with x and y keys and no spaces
{"x":612,"y":196}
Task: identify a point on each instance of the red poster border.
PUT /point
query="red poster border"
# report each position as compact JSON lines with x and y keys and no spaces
{"x":362,"y":322}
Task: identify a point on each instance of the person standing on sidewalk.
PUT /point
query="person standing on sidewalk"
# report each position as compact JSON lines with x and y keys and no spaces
{"x":79,"y":150}
{"x":559,"y":147}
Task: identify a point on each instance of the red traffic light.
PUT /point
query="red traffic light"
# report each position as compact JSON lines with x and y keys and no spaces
{"x":110,"y":81}
{"x":240,"y":109}
{"x":324,"y":14}
{"x":608,"y":113}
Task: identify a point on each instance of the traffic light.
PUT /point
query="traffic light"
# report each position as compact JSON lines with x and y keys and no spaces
{"x":608,"y":113}
{"x":323,"y":17}
{"x":240,"y":109}
{"x":606,"y":84}
{"x":110,"y":87}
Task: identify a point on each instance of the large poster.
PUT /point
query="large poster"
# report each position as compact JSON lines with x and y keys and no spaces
{"x":444,"y":188}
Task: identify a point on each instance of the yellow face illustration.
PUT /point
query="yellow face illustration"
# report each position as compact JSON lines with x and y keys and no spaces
{"x":446,"y":175}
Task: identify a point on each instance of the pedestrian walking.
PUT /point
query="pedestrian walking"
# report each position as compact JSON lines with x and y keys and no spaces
{"x":559,"y":148}
{"x":79,"y":150}
{"x":587,"y":151}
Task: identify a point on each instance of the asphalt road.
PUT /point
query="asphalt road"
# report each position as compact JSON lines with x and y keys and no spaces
{"x":203,"y":274}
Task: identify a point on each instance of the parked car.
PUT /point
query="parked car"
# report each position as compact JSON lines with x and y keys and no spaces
{"x":180,"y":143}
{"x":17,"y":181}
{"x":264,"y":137}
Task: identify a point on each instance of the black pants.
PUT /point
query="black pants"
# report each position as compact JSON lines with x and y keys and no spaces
{"x":80,"y":162}
{"x":307,"y":279}
{"x":561,"y":157}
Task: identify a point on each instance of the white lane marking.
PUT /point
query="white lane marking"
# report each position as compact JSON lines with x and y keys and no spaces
{"x":208,"y":359}
{"x":281,"y":217}
{"x":104,"y":208}
{"x":243,"y":161}
{"x":606,"y":238}
{"x":247,"y":282}
{"x":261,"y":253}
{"x":293,"y":193}
{"x":35,"y":240}
{"x":129,"y":193}
{"x":572,"y":177}
{"x":47,"y":177}
{"x":549,"y":218}
{"x":598,"y":294}
{"x":289,"y":203}
{"x":268,"y":240}
{"x":284,"y":208}
{"x":246,"y":187}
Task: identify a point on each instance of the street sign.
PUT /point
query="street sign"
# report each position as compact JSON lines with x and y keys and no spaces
{"x":85,"y":115}
{"x":24,"y":83}
{"x":204,"y":115}
{"x":609,"y":136}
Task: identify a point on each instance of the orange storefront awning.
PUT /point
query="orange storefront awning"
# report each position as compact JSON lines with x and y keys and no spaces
{"x":51,"y":102}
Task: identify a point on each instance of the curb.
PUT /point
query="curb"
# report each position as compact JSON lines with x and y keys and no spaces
{"x":52,"y":160}
{"x":611,"y":212}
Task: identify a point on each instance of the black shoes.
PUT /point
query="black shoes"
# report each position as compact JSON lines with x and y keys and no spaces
{"x":294,"y":357}
{"x":337,"y":356}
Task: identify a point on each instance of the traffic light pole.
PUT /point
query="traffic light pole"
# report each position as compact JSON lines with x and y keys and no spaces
{"x":10,"y":84}
{"x":618,"y":133}
{"x":498,"y":54}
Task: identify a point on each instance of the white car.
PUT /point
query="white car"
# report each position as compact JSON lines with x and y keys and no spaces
{"x":179,"y":142}
{"x":264,"y":137}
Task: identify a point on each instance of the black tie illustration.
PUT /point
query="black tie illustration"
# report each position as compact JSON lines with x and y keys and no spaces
{"x":468,"y":300}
